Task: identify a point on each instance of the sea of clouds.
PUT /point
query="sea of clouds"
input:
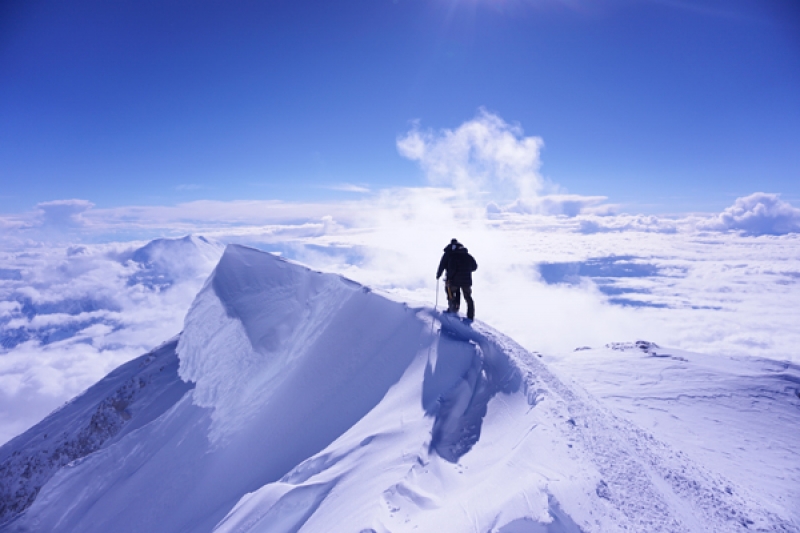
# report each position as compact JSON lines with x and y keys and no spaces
{"x":81,"y":291}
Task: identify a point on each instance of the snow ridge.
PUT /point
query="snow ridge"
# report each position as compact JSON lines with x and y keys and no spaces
{"x":129,"y":397}
{"x":163,"y":262}
{"x":264,"y":314}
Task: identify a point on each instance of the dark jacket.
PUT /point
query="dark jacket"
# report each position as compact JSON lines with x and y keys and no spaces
{"x":459,"y":265}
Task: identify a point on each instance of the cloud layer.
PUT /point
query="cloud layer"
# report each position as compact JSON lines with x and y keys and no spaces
{"x":70,"y":314}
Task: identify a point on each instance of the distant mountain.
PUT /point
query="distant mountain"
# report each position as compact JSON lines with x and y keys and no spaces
{"x":163,"y":262}
{"x":304,"y":402}
{"x":38,"y":313}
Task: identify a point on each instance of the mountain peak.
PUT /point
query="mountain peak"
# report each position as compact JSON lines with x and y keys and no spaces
{"x":164,"y":261}
{"x":285,"y":331}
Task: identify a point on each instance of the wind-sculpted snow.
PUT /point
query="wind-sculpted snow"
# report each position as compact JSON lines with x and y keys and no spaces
{"x":296,"y":343}
{"x":464,"y":376}
{"x":548,"y":460}
{"x":737,"y":416}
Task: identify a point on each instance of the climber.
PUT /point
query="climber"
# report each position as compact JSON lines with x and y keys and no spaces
{"x":459,"y":265}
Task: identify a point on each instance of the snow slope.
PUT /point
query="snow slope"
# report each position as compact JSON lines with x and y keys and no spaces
{"x":130,"y":397}
{"x":314,"y":405}
{"x":739,"y":416}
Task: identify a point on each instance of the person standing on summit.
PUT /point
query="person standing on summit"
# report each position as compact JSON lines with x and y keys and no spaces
{"x":459,"y":265}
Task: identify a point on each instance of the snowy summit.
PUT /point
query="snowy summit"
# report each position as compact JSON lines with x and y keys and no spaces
{"x":298,"y":401}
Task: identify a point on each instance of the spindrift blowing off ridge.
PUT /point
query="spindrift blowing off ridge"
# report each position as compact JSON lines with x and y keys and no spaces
{"x":459,"y":265}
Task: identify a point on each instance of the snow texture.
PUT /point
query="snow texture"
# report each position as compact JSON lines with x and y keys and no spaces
{"x":130,"y":397}
{"x":321,"y":406}
{"x":736,"y":415}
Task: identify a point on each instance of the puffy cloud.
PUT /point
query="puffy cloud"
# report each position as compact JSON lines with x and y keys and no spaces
{"x":48,"y":221}
{"x":485,"y":155}
{"x":63,"y":213}
{"x":758,"y":214}
{"x":78,"y":310}
{"x":492,"y":163}
{"x":85,"y":308}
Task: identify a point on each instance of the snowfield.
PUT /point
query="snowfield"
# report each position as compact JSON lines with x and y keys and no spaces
{"x":296,"y":401}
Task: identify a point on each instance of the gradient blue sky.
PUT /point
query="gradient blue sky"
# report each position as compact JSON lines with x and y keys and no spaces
{"x":663,"y":106}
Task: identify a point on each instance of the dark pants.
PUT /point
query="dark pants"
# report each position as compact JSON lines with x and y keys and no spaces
{"x":454,"y":299}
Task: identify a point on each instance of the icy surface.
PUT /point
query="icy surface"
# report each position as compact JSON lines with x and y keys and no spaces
{"x":320,"y":406}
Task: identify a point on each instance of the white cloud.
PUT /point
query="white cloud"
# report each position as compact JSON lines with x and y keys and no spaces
{"x":349,"y":187}
{"x":757,"y":214}
{"x":619,"y":223}
{"x":76,"y":312}
{"x":59,"y":214}
{"x":9,"y":223}
{"x":202,"y":216}
{"x":724,"y":293}
{"x":483,"y":156}
{"x":570,"y":205}
{"x":492,"y":163}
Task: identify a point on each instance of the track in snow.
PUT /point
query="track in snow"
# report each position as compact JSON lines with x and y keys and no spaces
{"x":647,"y":484}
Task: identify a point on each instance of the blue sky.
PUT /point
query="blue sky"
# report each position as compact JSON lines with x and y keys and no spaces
{"x":663,"y":106}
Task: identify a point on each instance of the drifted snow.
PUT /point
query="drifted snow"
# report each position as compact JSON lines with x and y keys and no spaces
{"x":320,"y":406}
